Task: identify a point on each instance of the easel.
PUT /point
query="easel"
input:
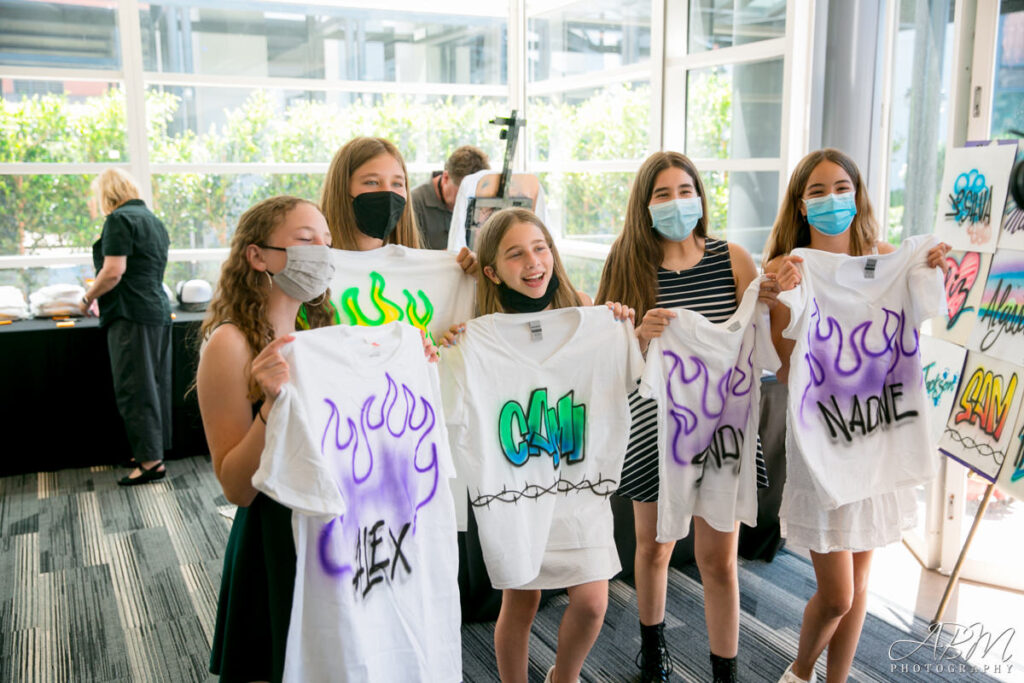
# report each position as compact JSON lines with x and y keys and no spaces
{"x":501,"y":198}
{"x":954,"y":577}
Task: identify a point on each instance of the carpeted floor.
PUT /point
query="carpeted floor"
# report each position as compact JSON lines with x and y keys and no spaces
{"x":104,"y":583}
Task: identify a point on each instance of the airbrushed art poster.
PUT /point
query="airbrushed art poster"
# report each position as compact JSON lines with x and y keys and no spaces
{"x":942,"y":364}
{"x":999,"y":330}
{"x":964,"y":283}
{"x":1012,"y":234}
{"x":973,"y":196}
{"x":979,"y":431}
{"x":1011,"y":476}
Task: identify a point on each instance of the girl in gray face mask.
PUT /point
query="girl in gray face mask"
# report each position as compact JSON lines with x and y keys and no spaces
{"x":279,"y":262}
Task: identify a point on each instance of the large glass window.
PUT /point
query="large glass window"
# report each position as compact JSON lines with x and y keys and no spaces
{"x":70,"y":35}
{"x":588,"y":115}
{"x":716,"y":24}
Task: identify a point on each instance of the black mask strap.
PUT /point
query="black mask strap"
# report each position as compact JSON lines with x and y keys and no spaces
{"x":517,"y":302}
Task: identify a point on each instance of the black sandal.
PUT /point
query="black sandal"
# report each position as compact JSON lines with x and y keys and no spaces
{"x":148,"y":475}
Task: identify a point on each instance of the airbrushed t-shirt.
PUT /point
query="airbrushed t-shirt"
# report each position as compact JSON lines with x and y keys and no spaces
{"x":856,"y":394}
{"x":356,"y":446}
{"x":706,"y":378}
{"x":422,"y":287}
{"x":537,"y":412}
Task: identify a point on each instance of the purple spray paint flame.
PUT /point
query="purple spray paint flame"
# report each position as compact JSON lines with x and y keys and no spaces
{"x":372,"y":465}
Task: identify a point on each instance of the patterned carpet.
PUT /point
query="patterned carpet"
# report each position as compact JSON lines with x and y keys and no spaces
{"x":104,"y":583}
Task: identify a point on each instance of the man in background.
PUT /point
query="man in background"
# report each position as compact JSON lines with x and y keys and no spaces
{"x":433,"y":201}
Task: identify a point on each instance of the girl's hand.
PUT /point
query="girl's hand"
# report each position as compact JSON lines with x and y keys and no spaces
{"x":467,"y":259}
{"x":270,"y":369}
{"x":654,"y":323}
{"x":451,"y":337}
{"x":769,"y":290}
{"x":787,"y":273}
{"x":429,"y":350}
{"x":621,"y":311}
{"x":937,"y":257}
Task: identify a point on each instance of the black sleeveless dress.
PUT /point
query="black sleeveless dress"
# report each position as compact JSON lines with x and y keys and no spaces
{"x":708,"y":288}
{"x":256,"y":588}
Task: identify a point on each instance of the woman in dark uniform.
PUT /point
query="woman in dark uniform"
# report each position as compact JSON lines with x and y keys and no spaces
{"x":130,"y":258}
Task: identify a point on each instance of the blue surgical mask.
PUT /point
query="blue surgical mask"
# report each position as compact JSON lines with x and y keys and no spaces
{"x":674,"y":220}
{"x":832,"y":214}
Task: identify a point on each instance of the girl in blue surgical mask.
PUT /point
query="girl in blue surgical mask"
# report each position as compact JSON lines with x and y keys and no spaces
{"x":826,"y":207}
{"x":665,"y":258}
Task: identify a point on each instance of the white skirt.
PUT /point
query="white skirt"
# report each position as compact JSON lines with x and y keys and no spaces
{"x":862,"y":525}
{"x":575,"y":566}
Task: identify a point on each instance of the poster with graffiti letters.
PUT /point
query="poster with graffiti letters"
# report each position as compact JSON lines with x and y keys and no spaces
{"x":422,"y":287}
{"x":999,"y":330}
{"x":942,"y":364}
{"x":965,"y":281}
{"x":1011,"y":476}
{"x":973,"y":196}
{"x":979,"y":431}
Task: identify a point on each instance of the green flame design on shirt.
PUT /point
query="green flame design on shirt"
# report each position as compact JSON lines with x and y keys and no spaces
{"x":384,"y":310}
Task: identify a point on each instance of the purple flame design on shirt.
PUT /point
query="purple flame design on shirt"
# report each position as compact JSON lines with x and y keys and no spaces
{"x":723,"y":401}
{"x":386,"y":465}
{"x":880,"y":352}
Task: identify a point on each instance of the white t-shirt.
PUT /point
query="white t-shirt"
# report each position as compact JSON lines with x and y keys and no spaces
{"x":706,"y":378}
{"x":423,"y":287}
{"x":356,"y":446}
{"x":539,"y":424}
{"x":856,"y":396}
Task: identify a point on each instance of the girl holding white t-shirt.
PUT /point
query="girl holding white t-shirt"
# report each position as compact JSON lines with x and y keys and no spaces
{"x":522,"y":273}
{"x":664,"y":258}
{"x":826,"y":207}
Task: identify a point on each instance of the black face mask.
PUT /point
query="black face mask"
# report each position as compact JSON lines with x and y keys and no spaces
{"x":516,"y":302}
{"x":377,"y":213}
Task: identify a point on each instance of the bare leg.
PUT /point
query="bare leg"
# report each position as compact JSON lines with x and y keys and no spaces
{"x":512,"y":633}
{"x":716,"y":560}
{"x":650,"y":565}
{"x":825,"y":609}
{"x":843,"y":644}
{"x":580,"y":627}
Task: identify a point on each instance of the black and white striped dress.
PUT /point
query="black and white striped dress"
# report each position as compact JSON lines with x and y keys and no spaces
{"x":708,"y":288}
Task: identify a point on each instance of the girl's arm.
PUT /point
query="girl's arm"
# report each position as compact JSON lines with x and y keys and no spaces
{"x":784,"y":272}
{"x":743,"y":269}
{"x":234,"y":436}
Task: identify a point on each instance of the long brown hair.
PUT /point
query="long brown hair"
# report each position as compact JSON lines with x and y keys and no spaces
{"x":487,"y":241}
{"x":791,"y":229}
{"x":336,"y":201}
{"x":242,"y":292}
{"x":630,"y":274}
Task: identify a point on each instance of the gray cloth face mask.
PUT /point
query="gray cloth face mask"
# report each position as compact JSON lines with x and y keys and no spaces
{"x":308,"y":272}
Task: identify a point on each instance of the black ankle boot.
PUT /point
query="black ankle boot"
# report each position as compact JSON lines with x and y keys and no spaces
{"x":723,"y":669}
{"x":653,"y":659}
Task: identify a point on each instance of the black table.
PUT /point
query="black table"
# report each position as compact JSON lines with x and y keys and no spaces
{"x":58,"y":395}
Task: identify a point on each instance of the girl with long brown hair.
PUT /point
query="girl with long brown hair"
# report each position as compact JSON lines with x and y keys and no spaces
{"x":522,"y":273}
{"x":826,"y":208}
{"x":278,"y":263}
{"x":663,"y":258}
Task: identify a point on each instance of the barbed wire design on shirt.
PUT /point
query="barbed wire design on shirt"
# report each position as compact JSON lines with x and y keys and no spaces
{"x":969,"y":444}
{"x":602,"y":487}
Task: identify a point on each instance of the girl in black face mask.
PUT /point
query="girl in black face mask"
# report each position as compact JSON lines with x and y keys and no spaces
{"x":364,"y":199}
{"x":522,"y":273}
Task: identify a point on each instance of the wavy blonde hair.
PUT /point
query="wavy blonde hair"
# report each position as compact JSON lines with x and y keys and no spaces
{"x":791,"y":229}
{"x":336,"y":200}
{"x":242,"y":292}
{"x":487,"y":242}
{"x":112,"y":188}
{"x":630,"y":274}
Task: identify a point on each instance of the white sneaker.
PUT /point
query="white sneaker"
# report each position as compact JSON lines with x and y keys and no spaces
{"x":551,"y":676}
{"x":789,"y":677}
